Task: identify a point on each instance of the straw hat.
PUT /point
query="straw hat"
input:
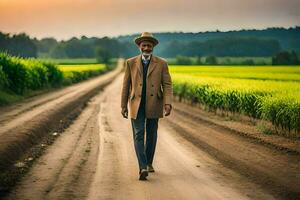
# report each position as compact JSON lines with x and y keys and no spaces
{"x":146,"y":36}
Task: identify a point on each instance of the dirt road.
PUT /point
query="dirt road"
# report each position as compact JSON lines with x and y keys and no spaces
{"x":94,"y":159}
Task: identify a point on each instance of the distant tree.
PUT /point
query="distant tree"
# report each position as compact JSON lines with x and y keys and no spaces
{"x":4,"y":41}
{"x":18,"y":45}
{"x":198,"y":60}
{"x":173,"y":48}
{"x":285,"y":58}
{"x":228,"y":61}
{"x":128,"y":49}
{"x":45,"y":45}
{"x":112,"y":46}
{"x":248,"y":62}
{"x":223,"y":46}
{"x":75,"y":48}
{"x":102,"y":55}
{"x":211,"y":60}
{"x":58,"y":52}
{"x":183,"y":60}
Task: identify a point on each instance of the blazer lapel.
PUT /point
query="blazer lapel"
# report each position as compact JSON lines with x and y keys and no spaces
{"x":138,"y":62}
{"x":152,"y":65}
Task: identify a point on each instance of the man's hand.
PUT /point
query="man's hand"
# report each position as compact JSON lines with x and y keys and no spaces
{"x":124,"y":112}
{"x":168,"y":109}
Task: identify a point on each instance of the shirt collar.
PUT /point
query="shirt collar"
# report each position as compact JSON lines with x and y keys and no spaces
{"x":145,"y":58}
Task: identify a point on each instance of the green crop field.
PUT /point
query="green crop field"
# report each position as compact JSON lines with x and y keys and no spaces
{"x":81,"y":68}
{"x":77,"y":72}
{"x":262,"y":92}
{"x":21,"y":77}
{"x":70,"y":61}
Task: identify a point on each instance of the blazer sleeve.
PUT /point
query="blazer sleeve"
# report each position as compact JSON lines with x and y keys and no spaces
{"x":126,"y":86}
{"x":167,"y":85}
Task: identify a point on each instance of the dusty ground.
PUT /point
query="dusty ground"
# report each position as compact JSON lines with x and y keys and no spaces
{"x":94,"y":159}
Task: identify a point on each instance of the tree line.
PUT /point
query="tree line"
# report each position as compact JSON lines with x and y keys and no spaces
{"x":281,"y":58}
{"x":23,"y":46}
{"x":18,"y":44}
{"x":237,"y":47}
{"x":244,"y":43}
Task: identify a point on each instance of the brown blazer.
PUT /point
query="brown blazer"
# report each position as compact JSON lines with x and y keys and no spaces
{"x":159,"y":89}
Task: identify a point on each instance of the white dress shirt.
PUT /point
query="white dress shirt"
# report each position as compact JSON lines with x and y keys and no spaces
{"x":144,"y":58}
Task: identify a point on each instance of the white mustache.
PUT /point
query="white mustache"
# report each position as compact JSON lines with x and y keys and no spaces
{"x":146,"y":53}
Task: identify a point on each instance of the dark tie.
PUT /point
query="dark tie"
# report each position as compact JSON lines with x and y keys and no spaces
{"x":145,"y":61}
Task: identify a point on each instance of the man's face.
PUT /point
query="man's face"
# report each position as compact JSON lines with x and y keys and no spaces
{"x":146,"y":47}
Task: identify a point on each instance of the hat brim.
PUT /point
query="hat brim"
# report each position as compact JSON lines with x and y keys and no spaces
{"x":151,"y":39}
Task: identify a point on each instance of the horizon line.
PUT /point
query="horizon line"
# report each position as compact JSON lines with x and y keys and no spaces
{"x":157,"y":32}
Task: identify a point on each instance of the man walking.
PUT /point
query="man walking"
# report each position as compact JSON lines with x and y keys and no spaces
{"x":147,"y":88}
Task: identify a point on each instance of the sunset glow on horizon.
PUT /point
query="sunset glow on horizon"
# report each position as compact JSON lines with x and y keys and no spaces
{"x":63,"y":19}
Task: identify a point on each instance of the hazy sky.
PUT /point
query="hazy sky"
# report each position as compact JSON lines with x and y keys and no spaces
{"x":63,"y":19}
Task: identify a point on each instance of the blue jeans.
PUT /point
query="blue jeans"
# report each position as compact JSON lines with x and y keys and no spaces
{"x":144,"y":152}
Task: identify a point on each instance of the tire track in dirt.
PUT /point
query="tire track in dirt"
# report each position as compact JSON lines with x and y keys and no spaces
{"x":107,"y":177}
{"x":272,"y":169}
{"x":13,"y":111}
{"x":67,"y":167}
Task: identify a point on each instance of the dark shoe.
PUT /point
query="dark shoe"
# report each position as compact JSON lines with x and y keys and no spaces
{"x":143,"y":174}
{"x":150,"y":168}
